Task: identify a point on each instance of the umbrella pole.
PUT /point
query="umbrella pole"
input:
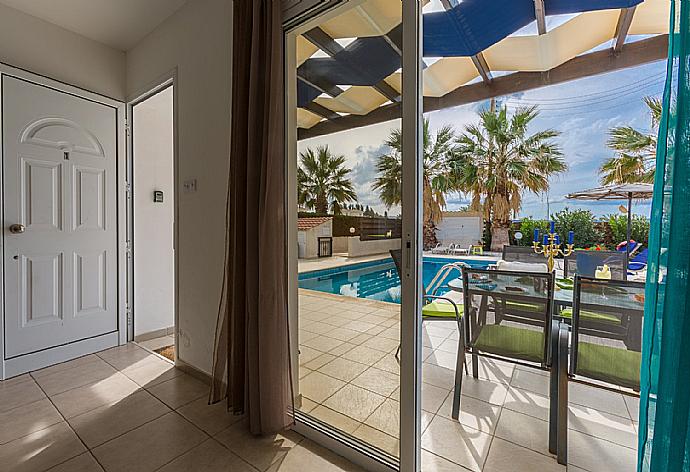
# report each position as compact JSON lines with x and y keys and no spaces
{"x":627,"y":233}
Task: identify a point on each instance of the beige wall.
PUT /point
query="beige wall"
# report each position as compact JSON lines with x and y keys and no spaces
{"x":41,"y":47}
{"x":197,"y":41}
{"x":357,"y":247}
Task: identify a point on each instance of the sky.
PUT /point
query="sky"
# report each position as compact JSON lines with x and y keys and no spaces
{"x":583,"y":111}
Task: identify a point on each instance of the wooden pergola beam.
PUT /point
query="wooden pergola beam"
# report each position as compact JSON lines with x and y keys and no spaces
{"x":624,"y":21}
{"x":482,"y":67}
{"x":594,"y":63}
{"x":321,"y":110}
{"x":540,"y":14}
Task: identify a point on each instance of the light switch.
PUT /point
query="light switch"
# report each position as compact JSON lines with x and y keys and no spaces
{"x":189,"y":186}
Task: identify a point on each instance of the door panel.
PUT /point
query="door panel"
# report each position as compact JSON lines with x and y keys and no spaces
{"x":59,"y":162}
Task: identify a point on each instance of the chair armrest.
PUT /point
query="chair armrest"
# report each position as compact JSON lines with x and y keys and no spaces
{"x":455,"y":307}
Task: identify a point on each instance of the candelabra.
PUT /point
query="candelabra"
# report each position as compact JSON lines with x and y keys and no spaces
{"x":550,"y":246}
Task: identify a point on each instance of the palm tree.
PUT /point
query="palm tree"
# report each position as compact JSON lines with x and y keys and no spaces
{"x":496,"y":160}
{"x":635,"y":151}
{"x":436,"y":179}
{"x":323,"y":182}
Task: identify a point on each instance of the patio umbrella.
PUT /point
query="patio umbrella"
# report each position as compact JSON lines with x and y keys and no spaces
{"x":617,"y":192}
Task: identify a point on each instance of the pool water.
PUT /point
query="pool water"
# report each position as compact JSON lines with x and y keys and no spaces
{"x":376,"y":280}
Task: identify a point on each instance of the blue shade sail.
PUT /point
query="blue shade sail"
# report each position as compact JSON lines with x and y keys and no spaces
{"x":665,"y":375}
{"x":465,"y":30}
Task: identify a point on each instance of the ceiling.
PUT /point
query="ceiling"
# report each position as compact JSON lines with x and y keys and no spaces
{"x":120,"y":24}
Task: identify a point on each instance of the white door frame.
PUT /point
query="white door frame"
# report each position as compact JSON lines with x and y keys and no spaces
{"x":168,"y":79}
{"x":29,"y":362}
{"x":411,"y":279}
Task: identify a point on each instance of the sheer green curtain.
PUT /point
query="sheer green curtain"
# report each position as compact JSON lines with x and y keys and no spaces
{"x":665,"y":378}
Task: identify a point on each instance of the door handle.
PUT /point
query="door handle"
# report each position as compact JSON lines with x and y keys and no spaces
{"x":17,"y":229}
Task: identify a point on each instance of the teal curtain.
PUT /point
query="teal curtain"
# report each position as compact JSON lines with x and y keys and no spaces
{"x":665,"y":391}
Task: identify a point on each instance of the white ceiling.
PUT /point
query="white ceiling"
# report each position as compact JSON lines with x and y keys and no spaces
{"x":117,"y":23}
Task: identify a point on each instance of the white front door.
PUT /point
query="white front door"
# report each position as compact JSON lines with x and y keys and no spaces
{"x":60,"y":214}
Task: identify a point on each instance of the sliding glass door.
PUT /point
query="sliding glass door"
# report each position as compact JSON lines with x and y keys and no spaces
{"x":354,"y":230}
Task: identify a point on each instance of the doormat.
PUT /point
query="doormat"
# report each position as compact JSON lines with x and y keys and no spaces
{"x":167,"y":352}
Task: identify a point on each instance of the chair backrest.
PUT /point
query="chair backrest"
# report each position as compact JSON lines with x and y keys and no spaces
{"x":522,"y":266}
{"x":508,"y":313}
{"x":588,"y":261}
{"x":522,"y":254}
{"x":570,"y":265}
{"x":607,"y":330}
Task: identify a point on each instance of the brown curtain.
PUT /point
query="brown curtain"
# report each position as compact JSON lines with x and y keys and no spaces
{"x":252,"y":353}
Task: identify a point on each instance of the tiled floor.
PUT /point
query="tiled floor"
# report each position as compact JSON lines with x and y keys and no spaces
{"x":158,"y":343}
{"x":349,"y":378}
{"x":126,"y":409}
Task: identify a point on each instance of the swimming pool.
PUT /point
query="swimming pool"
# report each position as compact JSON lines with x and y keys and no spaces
{"x":375,"y":280}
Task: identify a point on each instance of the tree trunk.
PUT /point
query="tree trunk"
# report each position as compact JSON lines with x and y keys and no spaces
{"x":499,"y":235}
{"x":429,"y":235}
{"x":321,"y":205}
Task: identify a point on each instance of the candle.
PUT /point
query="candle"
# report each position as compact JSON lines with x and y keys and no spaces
{"x":546,"y":240}
{"x":553,"y":227}
{"x":558,"y":240}
{"x":571,"y":237}
{"x":536,"y":235}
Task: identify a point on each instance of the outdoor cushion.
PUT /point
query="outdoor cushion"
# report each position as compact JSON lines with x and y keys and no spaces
{"x":609,"y":364}
{"x":592,"y":316}
{"x":441,"y":309}
{"x":509,"y":341}
{"x":522,"y":306}
{"x":516,"y":266}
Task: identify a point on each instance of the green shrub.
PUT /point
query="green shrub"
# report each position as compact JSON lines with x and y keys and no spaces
{"x":581,"y":222}
{"x":639,"y":229}
{"x":527,"y":226}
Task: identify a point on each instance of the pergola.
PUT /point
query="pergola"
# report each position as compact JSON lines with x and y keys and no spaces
{"x":355,"y":80}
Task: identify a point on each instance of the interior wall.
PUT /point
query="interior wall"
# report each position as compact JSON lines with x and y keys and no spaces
{"x":154,"y":278}
{"x":41,"y":47}
{"x":196,"y":41}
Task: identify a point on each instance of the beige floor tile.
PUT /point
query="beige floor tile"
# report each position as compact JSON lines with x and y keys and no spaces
{"x":307,"y":354}
{"x":208,"y":456}
{"x":303,"y":372}
{"x":360,"y":325}
{"x":123,"y":357}
{"x":342,"y":349}
{"x":318,"y":327}
{"x":378,"y":381}
{"x":433,"y":397}
{"x":389,"y":363}
{"x":68,"y":379}
{"x":528,"y":403}
{"x":378,"y":439}
{"x":343,"y":369}
{"x":505,"y":456}
{"x":573,"y":468}
{"x":306,"y":335}
{"x":318,"y":387}
{"x":473,"y":413}
{"x":259,"y":451}
{"x":27,"y":419}
{"x":335,"y":419}
{"x":449,"y":345}
{"x":531,"y":381}
{"x":307,"y":405}
{"x":320,"y":361}
{"x":151,"y":371}
{"x":150,"y":446}
{"x":88,"y":397}
{"x":386,"y":418}
{"x":524,"y":430}
{"x":308,"y":456}
{"x":41,"y":450}
{"x":438,"y":376}
{"x":458,"y":443}
{"x":434,"y":342}
{"x":364,"y":355}
{"x":494,"y":370}
{"x":598,"y":455}
{"x":107,"y":422}
{"x":343,"y":334}
{"x":179,"y":391}
{"x":597,"y":398}
{"x":19,"y":391}
{"x":633,"y":404}
{"x":443,"y":359}
{"x":322,"y":343}
{"x":381,"y":344}
{"x":603,"y":425}
{"x":82,"y":463}
{"x":354,"y":402}
{"x":433,"y":463}
{"x":490,"y":392}
{"x":78,"y":362}
{"x":157,"y":343}
{"x":439,"y":330}
{"x":209,"y":418}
